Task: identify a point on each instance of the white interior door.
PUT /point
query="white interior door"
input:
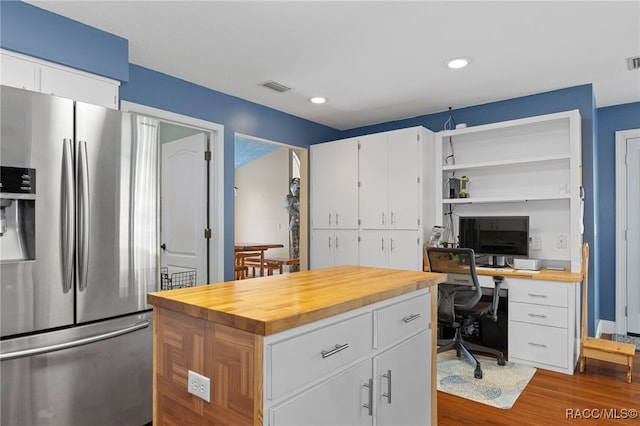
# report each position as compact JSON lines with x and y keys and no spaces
{"x":183,"y":206}
{"x":633,"y":235}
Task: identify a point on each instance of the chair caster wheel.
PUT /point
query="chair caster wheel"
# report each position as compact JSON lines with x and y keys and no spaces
{"x":477,"y":373}
{"x":501,"y":361}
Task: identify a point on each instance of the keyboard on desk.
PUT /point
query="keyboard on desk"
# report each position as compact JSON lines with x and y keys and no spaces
{"x":490,"y":269}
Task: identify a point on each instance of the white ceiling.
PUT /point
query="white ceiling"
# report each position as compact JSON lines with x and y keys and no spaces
{"x":378,"y":61}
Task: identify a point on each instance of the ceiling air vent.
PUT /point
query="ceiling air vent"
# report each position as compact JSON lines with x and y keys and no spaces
{"x":633,"y":63}
{"x":275,"y":86}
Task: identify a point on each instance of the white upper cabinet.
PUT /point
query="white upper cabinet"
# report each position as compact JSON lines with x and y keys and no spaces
{"x":33,"y":74}
{"x":334,"y":185}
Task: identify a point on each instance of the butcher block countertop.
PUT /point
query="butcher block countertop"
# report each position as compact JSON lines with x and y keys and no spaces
{"x":269,"y":305}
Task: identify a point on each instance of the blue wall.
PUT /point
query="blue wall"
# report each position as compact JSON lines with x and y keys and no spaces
{"x":610,"y":120}
{"x":32,"y":31}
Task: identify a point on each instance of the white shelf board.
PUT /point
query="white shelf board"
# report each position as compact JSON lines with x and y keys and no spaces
{"x":506,"y":162}
{"x":509,"y":199}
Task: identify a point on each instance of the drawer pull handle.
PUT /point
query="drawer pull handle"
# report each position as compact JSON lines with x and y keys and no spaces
{"x":369,"y":406}
{"x":537,"y":295}
{"x":388,"y":393}
{"x":537,"y":315}
{"x":539,"y":345}
{"x":335,"y":350}
{"x":410,"y":318}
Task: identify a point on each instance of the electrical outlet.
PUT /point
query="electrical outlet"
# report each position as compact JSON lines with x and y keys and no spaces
{"x":561,"y":241}
{"x":535,"y":242}
{"x":199,"y":386}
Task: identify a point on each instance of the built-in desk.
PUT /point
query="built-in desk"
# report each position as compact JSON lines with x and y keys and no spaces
{"x":543,"y":316}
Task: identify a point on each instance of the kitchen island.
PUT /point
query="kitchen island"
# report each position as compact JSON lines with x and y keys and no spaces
{"x":341,"y":345}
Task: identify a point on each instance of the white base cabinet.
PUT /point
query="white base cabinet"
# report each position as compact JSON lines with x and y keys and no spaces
{"x":371,"y":366}
{"x":391,"y":249}
{"x":334,"y":248}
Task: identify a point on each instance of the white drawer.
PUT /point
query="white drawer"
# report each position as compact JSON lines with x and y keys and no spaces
{"x":548,"y":293}
{"x":402,"y":319}
{"x":303,"y":358}
{"x":539,"y":314}
{"x":538,"y":344}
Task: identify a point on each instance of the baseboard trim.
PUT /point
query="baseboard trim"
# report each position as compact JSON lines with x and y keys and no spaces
{"x":605,"y":327}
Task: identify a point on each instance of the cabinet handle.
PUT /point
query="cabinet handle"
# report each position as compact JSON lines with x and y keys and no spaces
{"x":537,"y":295}
{"x":329,"y":219}
{"x":393,"y":218}
{"x":388,"y":393}
{"x":335,"y":350}
{"x":336,"y":219}
{"x":391,"y":243}
{"x":383,"y":218}
{"x":539,"y":345}
{"x":410,"y":318}
{"x":337,"y":239}
{"x":369,"y":406}
{"x":382,"y":244}
{"x":537,"y":315}
{"x":329,"y":241}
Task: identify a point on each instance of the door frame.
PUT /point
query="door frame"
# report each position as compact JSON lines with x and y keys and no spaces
{"x":216,"y":177}
{"x":621,"y":221}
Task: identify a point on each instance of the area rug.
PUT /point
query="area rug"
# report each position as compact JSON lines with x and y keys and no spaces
{"x":499,"y":387}
{"x":627,"y":339}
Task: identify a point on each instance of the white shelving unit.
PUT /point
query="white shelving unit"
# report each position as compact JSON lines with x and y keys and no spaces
{"x":529,"y":166}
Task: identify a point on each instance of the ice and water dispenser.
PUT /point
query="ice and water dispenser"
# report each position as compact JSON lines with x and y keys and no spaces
{"x":17,"y":214}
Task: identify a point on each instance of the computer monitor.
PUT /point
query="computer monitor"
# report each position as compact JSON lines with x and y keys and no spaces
{"x":495,"y":236}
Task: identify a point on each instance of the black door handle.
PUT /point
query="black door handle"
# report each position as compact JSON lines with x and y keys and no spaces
{"x":163,"y":246}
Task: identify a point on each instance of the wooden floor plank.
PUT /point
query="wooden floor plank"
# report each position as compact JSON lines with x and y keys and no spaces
{"x":552,"y":398}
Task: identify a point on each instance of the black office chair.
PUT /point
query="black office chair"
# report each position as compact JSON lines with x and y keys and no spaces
{"x":459,"y":303}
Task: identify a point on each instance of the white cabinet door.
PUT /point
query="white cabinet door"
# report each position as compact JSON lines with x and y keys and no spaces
{"x":402,"y":383}
{"x":373,"y":248}
{"x":346,"y":247}
{"x":322,"y":251}
{"x":404,"y":186}
{"x":78,"y":87}
{"x":405,"y":250}
{"x":345,"y":174}
{"x":373,"y":182}
{"x":337,"y":402}
{"x":334,"y":185}
{"x":321,"y":186}
{"x":19,"y":73}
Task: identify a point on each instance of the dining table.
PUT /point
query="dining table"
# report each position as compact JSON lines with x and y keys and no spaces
{"x":260,"y":248}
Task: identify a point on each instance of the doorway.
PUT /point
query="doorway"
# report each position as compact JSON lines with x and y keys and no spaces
{"x":627,"y":232}
{"x":190,"y":189}
{"x":263,"y":173}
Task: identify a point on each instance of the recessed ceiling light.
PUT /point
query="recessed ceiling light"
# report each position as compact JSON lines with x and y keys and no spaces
{"x":458,"y":63}
{"x":318,"y":100}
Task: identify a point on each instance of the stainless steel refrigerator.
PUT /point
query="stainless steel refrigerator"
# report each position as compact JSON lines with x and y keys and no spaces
{"x":78,"y":254}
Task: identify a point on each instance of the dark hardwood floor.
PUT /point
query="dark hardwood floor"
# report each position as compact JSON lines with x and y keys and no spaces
{"x":554,"y":398}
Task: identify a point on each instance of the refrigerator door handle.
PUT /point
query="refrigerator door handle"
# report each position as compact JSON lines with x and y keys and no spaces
{"x":67,"y":219}
{"x":75,"y":343}
{"x":83,"y":215}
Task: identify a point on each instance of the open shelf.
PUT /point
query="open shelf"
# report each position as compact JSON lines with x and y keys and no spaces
{"x":502,"y":163}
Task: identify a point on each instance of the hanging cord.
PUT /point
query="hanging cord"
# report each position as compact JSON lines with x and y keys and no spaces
{"x":450,"y":124}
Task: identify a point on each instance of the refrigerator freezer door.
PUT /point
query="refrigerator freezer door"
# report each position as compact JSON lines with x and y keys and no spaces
{"x":36,"y":294}
{"x":117,"y":226}
{"x":103,"y":383}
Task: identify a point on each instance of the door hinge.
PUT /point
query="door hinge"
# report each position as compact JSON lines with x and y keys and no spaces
{"x":359,"y":146}
{"x":207,"y":156}
{"x":625,"y":311}
{"x":418,"y":179}
{"x":359,"y":184}
{"x":207,"y":233}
